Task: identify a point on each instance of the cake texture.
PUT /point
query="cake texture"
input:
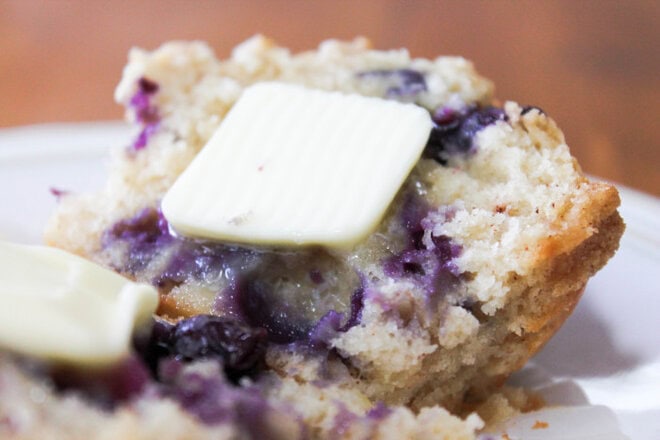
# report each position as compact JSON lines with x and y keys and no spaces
{"x":483,"y":254}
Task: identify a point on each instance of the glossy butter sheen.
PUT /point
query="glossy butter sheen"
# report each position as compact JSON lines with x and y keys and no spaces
{"x":295,"y":166}
{"x":58,"y":306}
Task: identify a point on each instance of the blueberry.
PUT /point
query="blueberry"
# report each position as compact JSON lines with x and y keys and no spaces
{"x":238,"y":347}
{"x":145,"y":234}
{"x":357,"y":305}
{"x":325,"y":329}
{"x":398,"y":82}
{"x":145,"y":112}
{"x":261,"y":307}
{"x":433,"y":269}
{"x":330,"y":324}
{"x":241,"y":348}
{"x":454,"y":131}
{"x":379,"y":412}
{"x":444,"y":248}
{"x":479,"y":120}
{"x":408,"y":263}
{"x":147,"y":86}
{"x":141,"y":101}
{"x":446,"y":119}
{"x":147,"y":226}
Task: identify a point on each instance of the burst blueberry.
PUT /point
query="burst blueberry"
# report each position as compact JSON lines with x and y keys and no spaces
{"x":239,"y":348}
{"x":454,"y":131}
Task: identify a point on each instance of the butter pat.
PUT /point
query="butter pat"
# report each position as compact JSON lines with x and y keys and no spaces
{"x":296,"y":166}
{"x":58,"y":306}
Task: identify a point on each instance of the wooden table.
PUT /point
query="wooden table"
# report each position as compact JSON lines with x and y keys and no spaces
{"x":592,"y":65}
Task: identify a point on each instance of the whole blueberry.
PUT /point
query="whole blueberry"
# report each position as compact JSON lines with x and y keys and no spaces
{"x":239,"y":348}
{"x":206,"y":336}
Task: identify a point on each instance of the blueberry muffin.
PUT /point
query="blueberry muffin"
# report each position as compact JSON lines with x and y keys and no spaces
{"x":483,"y":253}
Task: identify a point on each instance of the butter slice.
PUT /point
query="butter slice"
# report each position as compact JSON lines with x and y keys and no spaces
{"x":58,"y":306}
{"x":295,"y":166}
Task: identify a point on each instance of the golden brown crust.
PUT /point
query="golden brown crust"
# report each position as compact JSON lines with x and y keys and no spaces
{"x":519,"y":330}
{"x":580,"y":220}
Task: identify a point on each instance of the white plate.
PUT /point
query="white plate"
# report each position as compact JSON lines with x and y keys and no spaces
{"x":603,"y":366}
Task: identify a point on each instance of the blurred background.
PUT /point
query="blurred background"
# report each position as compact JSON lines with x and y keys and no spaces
{"x":593,"y":65}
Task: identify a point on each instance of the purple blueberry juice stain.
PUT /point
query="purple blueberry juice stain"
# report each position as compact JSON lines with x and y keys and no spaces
{"x":413,"y":212}
{"x":326,"y":329}
{"x":357,"y":305}
{"x":264,"y":289}
{"x":333,"y":322}
{"x":107,"y":387}
{"x":398,"y":83}
{"x":144,"y":135}
{"x":145,"y":235}
{"x":454,"y":131}
{"x":379,"y":412}
{"x":345,"y":419}
{"x":58,"y":193}
{"x":279,"y":294}
{"x":342,"y":422}
{"x":204,"y":261}
{"x":430,"y":265}
{"x":205,"y":394}
{"x":203,"y":397}
{"x":146,"y":113}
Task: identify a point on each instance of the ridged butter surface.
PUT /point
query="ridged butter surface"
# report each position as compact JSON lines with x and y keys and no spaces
{"x":296,"y":166}
{"x":58,"y":306}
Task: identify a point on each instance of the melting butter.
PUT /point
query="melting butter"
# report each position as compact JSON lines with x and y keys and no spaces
{"x":295,"y":166}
